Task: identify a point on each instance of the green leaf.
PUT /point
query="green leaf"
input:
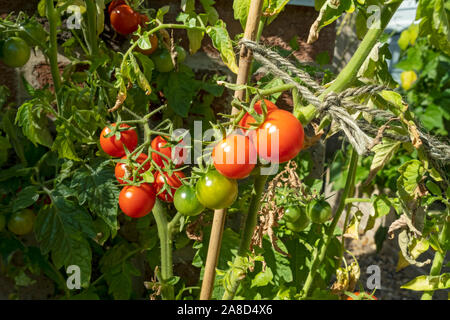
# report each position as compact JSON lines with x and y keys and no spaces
{"x":60,"y":229}
{"x":4,"y":147}
{"x":97,"y":188}
{"x":181,"y":91}
{"x":428,"y":283}
{"x":383,"y":154}
{"x":222,"y":42}
{"x":434,"y":23}
{"x":13,"y":134}
{"x":240,"y":9}
{"x":26,"y":198}
{"x":65,"y":147}
{"x":34,"y":123}
{"x":411,"y":174}
{"x":118,"y":270}
{"x":263,"y":278}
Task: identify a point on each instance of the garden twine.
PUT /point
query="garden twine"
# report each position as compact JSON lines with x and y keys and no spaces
{"x":338,"y":104}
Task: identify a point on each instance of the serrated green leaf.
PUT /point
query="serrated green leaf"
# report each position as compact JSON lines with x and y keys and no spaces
{"x":181,"y":91}
{"x":262,"y":278}
{"x":222,"y":42}
{"x":96,"y":187}
{"x":25,"y":198}
{"x":383,"y":154}
{"x":428,"y":283}
{"x":34,"y":124}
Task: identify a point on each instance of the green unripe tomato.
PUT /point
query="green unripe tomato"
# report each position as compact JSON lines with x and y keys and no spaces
{"x":162,"y":60}
{"x":296,"y":218}
{"x":319,"y":211}
{"x":15,"y":52}
{"x":186,"y":201}
{"x":216,"y":191}
{"x":2,"y":222}
{"x":21,"y":222}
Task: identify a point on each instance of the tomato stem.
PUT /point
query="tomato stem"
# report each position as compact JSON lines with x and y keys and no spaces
{"x":53,"y":48}
{"x":349,"y":73}
{"x":165,"y":238}
{"x":91,"y":32}
{"x":319,"y":254}
{"x":246,"y":235}
{"x":439,"y":256}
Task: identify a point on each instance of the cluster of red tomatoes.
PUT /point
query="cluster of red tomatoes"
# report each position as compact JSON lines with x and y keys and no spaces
{"x":138,"y":200}
{"x":278,"y":139}
{"x":125,"y":21}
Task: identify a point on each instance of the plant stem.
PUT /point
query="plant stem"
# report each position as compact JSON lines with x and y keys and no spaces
{"x":247,"y":233}
{"x":91,"y":32}
{"x":53,"y":47}
{"x":351,"y":200}
{"x":439,"y":257}
{"x":252,"y":216}
{"x":319,"y":256}
{"x":165,"y":238}
{"x":348,"y":74}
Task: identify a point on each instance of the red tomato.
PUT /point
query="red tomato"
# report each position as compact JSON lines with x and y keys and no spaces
{"x":124,"y":20}
{"x":137,"y":201}
{"x":143,"y":19}
{"x":247,"y":119}
{"x":114,"y":4}
{"x":173,"y":181}
{"x":235,"y":156}
{"x":290,"y":137}
{"x":114,"y":147}
{"x":158,"y":144}
{"x":122,"y":167}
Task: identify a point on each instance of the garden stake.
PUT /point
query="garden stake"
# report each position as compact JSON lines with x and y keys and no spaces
{"x":245,"y":58}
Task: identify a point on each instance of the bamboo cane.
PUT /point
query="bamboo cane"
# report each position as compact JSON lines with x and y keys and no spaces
{"x":215,"y":241}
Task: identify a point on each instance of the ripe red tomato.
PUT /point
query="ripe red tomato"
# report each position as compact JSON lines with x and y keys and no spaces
{"x":290,"y":137}
{"x":235,"y":156}
{"x":122,"y":168}
{"x":114,"y":4}
{"x":158,"y":144}
{"x":124,"y":20}
{"x":137,"y":201}
{"x":173,"y":181}
{"x":247,"y":119}
{"x":114,"y":147}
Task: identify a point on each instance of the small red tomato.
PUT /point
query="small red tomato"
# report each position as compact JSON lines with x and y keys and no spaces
{"x":137,"y":201}
{"x":247,"y":119}
{"x":114,"y":147}
{"x":280,"y":137}
{"x":158,"y":144}
{"x":174,"y":181}
{"x":123,"y":169}
{"x":124,"y":20}
{"x":235,"y":156}
{"x":114,"y":4}
{"x":143,"y":19}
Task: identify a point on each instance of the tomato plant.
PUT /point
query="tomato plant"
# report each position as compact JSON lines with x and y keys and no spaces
{"x":258,"y":157}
